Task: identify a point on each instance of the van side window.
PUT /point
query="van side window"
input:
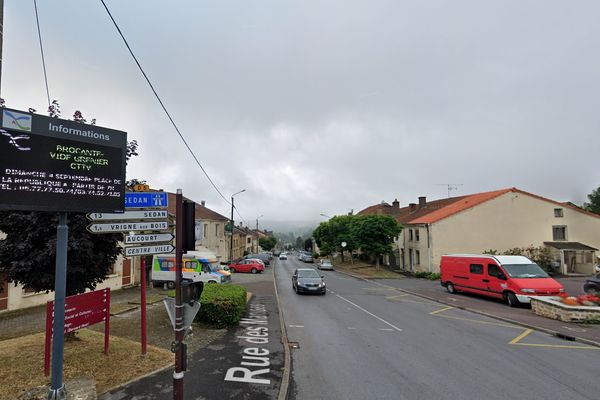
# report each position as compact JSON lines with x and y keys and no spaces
{"x":190,"y":265}
{"x":205,"y":268}
{"x":494,"y":270}
{"x":476,"y":269}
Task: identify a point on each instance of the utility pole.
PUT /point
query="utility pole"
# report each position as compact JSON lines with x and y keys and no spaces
{"x":1,"y":39}
{"x":257,"y":236}
{"x":232,"y":226}
{"x":179,"y":329}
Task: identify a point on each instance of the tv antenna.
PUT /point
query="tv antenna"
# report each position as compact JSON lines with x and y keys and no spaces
{"x":451,"y":186}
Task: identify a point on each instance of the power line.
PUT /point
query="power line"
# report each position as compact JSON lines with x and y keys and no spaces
{"x":162,"y":105}
{"x":37,"y":19}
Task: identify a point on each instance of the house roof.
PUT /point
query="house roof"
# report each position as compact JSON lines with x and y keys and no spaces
{"x":437,"y":210}
{"x":202,"y":212}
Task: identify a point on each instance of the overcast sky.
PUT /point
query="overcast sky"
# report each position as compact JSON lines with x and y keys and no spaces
{"x":322,"y":106}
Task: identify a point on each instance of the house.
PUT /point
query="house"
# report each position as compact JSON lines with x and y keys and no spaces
{"x":499,"y":220}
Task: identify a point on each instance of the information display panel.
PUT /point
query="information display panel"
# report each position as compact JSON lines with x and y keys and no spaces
{"x":52,"y":164}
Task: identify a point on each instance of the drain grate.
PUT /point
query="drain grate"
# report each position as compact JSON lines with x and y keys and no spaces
{"x":294,"y":345}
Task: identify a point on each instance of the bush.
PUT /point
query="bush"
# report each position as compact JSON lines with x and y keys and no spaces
{"x":222,"y":305}
{"x":433,"y":276}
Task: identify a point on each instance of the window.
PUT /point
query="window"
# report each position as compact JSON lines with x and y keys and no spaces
{"x":217,"y":230}
{"x":558,"y":212}
{"x":410,"y":234}
{"x":205,"y":230}
{"x":559,"y":233}
{"x":249,"y":240}
{"x":494,"y":270}
{"x":417,"y":257}
{"x":417,"y":235}
{"x":476,"y":269}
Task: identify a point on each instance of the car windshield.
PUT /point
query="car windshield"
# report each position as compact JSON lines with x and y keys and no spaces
{"x":326,"y":263}
{"x":308,"y":273}
{"x":525,"y":271}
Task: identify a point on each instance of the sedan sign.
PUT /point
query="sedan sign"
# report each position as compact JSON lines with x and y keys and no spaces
{"x":133,"y":215}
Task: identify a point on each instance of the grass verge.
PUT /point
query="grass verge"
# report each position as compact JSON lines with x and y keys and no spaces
{"x":364,"y":270}
{"x":22,"y":361}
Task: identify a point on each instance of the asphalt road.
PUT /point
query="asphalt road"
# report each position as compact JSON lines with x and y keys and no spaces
{"x":366,"y":340}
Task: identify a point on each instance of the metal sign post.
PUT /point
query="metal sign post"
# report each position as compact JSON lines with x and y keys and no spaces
{"x":179,"y":329}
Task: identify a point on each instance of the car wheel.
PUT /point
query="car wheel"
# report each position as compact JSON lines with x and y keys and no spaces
{"x":297,"y":291}
{"x":212,"y":281}
{"x":253,"y":270}
{"x":591,"y":289}
{"x":170,"y":285}
{"x":511,"y":299}
{"x":231,"y":269}
{"x":450,"y":287}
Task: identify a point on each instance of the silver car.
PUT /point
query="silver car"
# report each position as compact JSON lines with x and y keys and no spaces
{"x":325,"y":265}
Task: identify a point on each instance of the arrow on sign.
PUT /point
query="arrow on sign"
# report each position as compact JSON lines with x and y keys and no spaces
{"x":148,"y":238}
{"x":128,"y":226}
{"x":146,"y":214}
{"x":145,"y":250}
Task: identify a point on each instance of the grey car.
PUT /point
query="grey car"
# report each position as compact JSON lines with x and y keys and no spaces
{"x":308,"y":280}
{"x":325,"y":265}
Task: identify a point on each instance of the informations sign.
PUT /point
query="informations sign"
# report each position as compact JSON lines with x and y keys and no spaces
{"x":146,"y":200}
{"x":81,"y":310}
{"x":52,"y":164}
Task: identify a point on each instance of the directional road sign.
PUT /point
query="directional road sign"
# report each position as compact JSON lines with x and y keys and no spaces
{"x":129,"y":215}
{"x":145,"y":250}
{"x":148,"y":238}
{"x":146,"y":200}
{"x":128,"y":226}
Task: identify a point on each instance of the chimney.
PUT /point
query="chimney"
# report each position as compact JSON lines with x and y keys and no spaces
{"x":396,"y":203}
{"x":422,"y":201}
{"x":412,"y":207}
{"x":203,"y":203}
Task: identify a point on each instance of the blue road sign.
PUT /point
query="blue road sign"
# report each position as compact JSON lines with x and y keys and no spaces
{"x":146,"y":199}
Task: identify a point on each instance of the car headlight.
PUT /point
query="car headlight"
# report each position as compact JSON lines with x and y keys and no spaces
{"x":528,"y":290}
{"x":561,"y":290}
{"x":222,"y":278}
{"x":322,"y":284}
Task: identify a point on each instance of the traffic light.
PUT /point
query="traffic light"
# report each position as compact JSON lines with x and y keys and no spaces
{"x":189,"y":226}
{"x":191,"y":291}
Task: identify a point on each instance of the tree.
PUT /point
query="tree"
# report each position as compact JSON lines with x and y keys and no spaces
{"x":28,"y":253}
{"x":267,"y":243}
{"x":330,"y":235}
{"x":299,"y":243}
{"x":374,"y":234}
{"x":594,"y":204}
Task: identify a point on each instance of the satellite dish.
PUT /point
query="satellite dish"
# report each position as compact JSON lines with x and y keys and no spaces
{"x":344,"y":244}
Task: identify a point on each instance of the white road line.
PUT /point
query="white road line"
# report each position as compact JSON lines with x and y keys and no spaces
{"x":370,"y":313}
{"x":350,"y":327}
{"x":385,"y":329}
{"x":296,"y":326}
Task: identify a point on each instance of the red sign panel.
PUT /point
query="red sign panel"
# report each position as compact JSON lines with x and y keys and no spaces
{"x":81,"y":310}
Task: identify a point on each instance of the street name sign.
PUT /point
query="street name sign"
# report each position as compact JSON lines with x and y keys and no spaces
{"x":146,"y":250}
{"x":129,"y":215}
{"x":148,"y":238}
{"x":53,"y":164}
{"x":146,"y":200}
{"x":128,"y":226}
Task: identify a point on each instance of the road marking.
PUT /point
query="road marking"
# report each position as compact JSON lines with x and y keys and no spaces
{"x":370,"y":313}
{"x":296,"y":326}
{"x":477,"y":321}
{"x":396,"y":296}
{"x":441,"y":310}
{"x":517,"y":342}
{"x":350,"y":327}
{"x":385,"y":329}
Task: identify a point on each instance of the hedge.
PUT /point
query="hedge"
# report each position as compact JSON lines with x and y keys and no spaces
{"x":222,"y":305}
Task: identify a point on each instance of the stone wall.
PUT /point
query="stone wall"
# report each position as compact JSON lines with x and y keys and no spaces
{"x":550,"y":308}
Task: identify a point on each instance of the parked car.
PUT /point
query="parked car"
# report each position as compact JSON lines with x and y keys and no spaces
{"x":325,"y":265}
{"x":308,"y":280}
{"x":283,"y":256}
{"x":592,"y":285}
{"x":301,"y":256}
{"x":308,"y":258}
{"x":264,"y":257}
{"x":258,"y":260}
{"x":512,"y":278}
{"x":252,"y":266}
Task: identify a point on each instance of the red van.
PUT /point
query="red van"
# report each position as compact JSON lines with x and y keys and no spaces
{"x":512,"y":278}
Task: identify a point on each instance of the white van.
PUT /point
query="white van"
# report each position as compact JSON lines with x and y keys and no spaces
{"x":198,"y":266}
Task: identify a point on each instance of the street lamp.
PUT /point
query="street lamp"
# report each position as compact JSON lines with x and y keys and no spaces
{"x":232,"y":226}
{"x":257,"y":232}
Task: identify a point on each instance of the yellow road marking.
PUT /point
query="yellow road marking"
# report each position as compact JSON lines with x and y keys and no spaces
{"x":396,"y":296}
{"x":516,"y":342}
{"x":521,"y":336}
{"x":440,"y":310}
